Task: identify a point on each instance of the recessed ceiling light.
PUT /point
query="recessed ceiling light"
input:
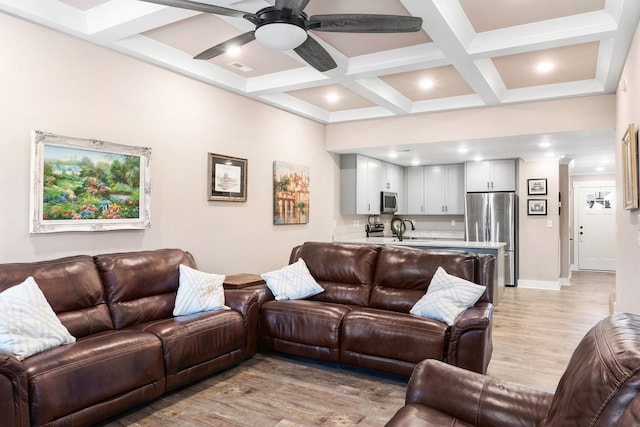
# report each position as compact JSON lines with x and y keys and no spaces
{"x":393,"y":154}
{"x":426,"y":83}
{"x":333,"y":97}
{"x":463,"y":150}
{"x":415,"y":162}
{"x":477,"y":159}
{"x":234,"y":51}
{"x":545,"y":67}
{"x":600,"y":169}
{"x":545,"y":144}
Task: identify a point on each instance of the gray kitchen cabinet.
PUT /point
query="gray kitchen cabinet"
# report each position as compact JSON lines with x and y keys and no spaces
{"x":361,"y":181}
{"x":391,"y":177}
{"x":415,"y":190}
{"x":435,"y":190}
{"x":444,"y":189}
{"x":491,"y":175}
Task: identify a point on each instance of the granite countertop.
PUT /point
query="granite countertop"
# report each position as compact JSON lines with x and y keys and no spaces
{"x":424,"y":242}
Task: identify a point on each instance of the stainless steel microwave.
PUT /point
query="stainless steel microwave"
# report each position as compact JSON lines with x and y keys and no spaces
{"x":388,"y":202}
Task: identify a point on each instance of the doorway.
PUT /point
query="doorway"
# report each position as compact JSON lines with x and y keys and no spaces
{"x":595,"y":226}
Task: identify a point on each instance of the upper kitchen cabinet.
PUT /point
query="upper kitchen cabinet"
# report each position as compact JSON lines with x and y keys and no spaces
{"x":491,"y":175}
{"x":391,"y":177}
{"x":415,"y":190}
{"x":362,"y":179}
{"x":435,"y":190}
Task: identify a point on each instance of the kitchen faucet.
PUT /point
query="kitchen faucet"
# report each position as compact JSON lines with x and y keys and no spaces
{"x":412,"y":222}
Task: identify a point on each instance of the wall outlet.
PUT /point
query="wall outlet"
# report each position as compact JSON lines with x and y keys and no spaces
{"x":453,"y":222}
{"x":550,"y":223}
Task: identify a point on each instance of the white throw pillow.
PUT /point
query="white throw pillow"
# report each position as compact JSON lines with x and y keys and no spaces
{"x":292,"y":282}
{"x":199,"y":291}
{"x":28,"y":324}
{"x":447,"y":297}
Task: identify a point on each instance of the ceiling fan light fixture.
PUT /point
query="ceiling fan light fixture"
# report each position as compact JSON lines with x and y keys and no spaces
{"x":280,"y":35}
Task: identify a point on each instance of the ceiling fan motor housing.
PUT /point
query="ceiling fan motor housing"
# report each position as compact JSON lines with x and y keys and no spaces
{"x":280,"y":29}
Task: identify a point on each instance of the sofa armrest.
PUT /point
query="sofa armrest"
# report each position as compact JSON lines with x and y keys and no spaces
{"x":14,"y":392}
{"x":470,"y":344}
{"x":246,"y":302}
{"x":475,"y":398}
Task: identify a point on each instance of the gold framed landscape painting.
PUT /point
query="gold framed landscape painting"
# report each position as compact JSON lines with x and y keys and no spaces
{"x":630,"y":168}
{"x":290,"y":193}
{"x":81,"y":184}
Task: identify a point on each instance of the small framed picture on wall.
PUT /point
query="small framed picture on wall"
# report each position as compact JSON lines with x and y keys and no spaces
{"x":536,"y":207}
{"x":537,"y":187}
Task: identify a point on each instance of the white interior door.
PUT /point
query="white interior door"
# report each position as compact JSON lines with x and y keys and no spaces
{"x":596,"y":228}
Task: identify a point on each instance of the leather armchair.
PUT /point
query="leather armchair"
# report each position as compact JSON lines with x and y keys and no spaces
{"x":600,"y":387}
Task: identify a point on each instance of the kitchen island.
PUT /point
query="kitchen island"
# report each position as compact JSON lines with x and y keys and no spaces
{"x":492,"y":248}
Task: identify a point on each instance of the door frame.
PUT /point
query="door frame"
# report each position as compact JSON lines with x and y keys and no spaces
{"x":574,"y":214}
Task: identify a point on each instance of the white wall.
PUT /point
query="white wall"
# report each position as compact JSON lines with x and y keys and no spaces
{"x":53,"y":82}
{"x":539,"y":243}
{"x":628,"y":227}
{"x":563,"y":115}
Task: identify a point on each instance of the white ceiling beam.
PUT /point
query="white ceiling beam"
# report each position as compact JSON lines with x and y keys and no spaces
{"x":378,"y":92}
{"x":543,"y":35}
{"x":291,"y":103}
{"x":119,"y":19}
{"x":445,"y":104}
{"x":553,"y":91}
{"x":154,"y":52}
{"x":398,"y":60}
{"x":53,"y":14}
{"x":612,"y":53}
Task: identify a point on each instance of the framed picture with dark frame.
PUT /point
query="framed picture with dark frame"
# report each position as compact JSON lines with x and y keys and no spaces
{"x":630,"y":168}
{"x":536,"y":206}
{"x":537,"y":187}
{"x":227,"y":178}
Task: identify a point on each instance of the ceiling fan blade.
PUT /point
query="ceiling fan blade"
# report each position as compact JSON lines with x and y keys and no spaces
{"x":295,"y":5}
{"x":315,"y":55}
{"x":364,"y":23}
{"x":221,"y":48}
{"x":201,"y":7}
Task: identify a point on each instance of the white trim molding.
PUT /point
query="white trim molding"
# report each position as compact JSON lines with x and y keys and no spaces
{"x":539,"y":284}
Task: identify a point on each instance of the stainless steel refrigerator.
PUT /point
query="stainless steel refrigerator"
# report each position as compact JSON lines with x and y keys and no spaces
{"x":493,"y":217}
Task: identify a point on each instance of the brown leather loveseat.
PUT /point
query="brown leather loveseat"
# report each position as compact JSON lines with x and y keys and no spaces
{"x":362,"y":317}
{"x":129,"y":348}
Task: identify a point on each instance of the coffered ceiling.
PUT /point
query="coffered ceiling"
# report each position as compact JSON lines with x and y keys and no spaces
{"x":469,"y":53}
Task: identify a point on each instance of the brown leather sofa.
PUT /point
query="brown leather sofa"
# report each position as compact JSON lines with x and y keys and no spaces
{"x":362,"y":318}
{"x":129,"y":348}
{"x":600,"y":387}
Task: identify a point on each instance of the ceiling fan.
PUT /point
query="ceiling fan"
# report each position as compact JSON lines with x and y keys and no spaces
{"x":285,"y":25}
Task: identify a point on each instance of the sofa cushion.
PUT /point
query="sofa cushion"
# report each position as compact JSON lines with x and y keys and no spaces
{"x":303,"y":327}
{"x":403,"y":274}
{"x":293,"y":281}
{"x":447,"y":297}
{"x":196,"y":339}
{"x":28,"y":324}
{"x":198,"y":291}
{"x":386,"y":335}
{"x":95,"y":370}
{"x":141,"y":286}
{"x":345,"y":271}
{"x":72,"y":287}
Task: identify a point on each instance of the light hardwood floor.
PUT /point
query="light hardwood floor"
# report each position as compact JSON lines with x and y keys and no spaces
{"x":535,"y":332}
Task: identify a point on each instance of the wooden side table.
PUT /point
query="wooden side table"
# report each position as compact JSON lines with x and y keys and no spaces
{"x":242,"y":280}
